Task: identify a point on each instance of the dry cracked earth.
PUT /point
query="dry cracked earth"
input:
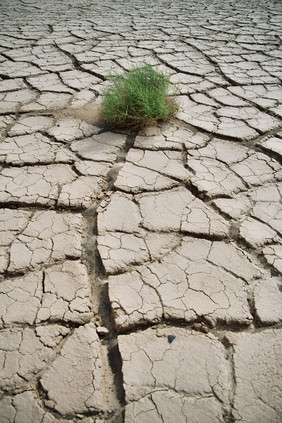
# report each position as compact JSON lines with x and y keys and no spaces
{"x":141,"y":272}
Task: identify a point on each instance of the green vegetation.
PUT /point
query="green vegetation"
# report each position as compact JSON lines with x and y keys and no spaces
{"x":138,"y":99}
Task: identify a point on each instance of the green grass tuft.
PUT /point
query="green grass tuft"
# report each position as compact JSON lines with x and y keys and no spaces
{"x":138,"y":99}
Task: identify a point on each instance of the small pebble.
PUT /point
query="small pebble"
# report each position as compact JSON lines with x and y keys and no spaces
{"x":171,"y":338}
{"x":200,"y":327}
{"x":101,"y":330}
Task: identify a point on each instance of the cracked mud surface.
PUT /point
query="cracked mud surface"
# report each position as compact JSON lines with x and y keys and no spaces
{"x":140,"y":273}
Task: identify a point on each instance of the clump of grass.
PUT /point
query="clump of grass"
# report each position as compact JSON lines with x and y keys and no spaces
{"x":138,"y":99}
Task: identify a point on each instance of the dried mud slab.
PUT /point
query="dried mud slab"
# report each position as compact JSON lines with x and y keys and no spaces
{"x":258,"y":389}
{"x":45,"y":238}
{"x":26,"y":407}
{"x":140,"y":273}
{"x":74,"y":382}
{"x":23,"y":355}
{"x":199,"y":279}
{"x":48,"y":186}
{"x":156,"y":384}
{"x":164,"y":406}
{"x":60,"y":293}
{"x":33,"y":149}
